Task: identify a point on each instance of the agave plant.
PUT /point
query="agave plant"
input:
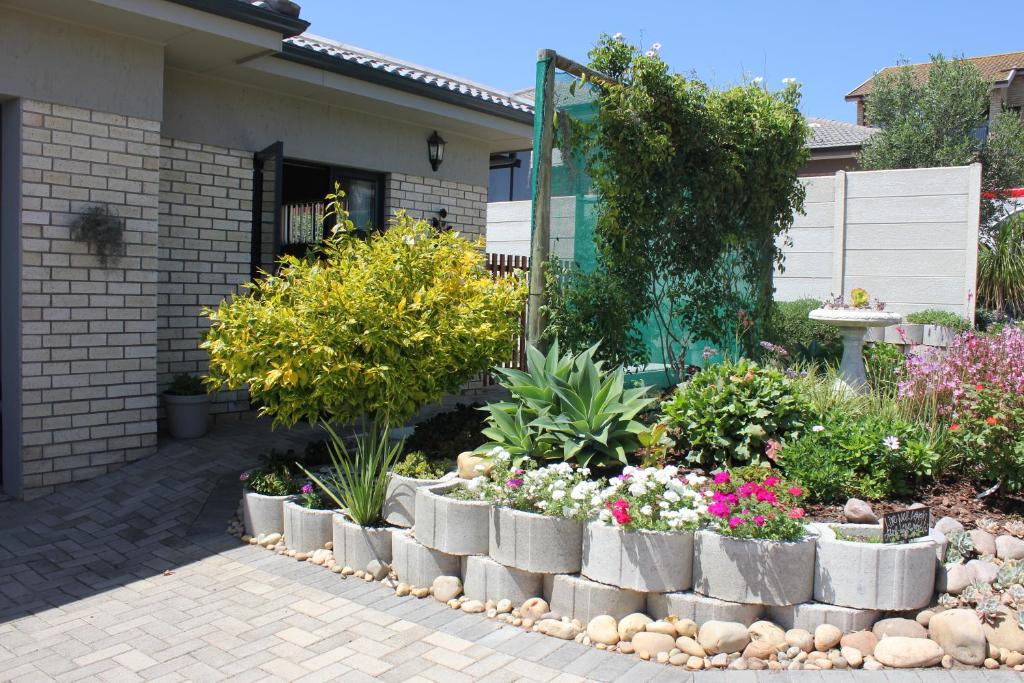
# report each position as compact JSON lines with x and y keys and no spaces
{"x":566,"y":407}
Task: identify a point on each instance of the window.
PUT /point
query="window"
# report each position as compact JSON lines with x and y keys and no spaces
{"x":510,"y":176}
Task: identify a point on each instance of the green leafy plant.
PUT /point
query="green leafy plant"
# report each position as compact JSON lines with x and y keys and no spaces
{"x":935,"y":316}
{"x":808,"y":340}
{"x":1001,"y":268}
{"x":566,"y":407}
{"x":360,"y":476}
{"x":376,"y":326}
{"x":731,"y":413}
{"x":312,"y":499}
{"x":987,"y":432}
{"x":656,"y":442}
{"x":855,"y":537}
{"x":416,"y":465}
{"x":185,"y":384}
{"x":102,"y":230}
{"x":883,"y":365}
{"x":275,"y":476}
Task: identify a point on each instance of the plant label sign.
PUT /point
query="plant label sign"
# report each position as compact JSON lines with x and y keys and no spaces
{"x":905,"y":525}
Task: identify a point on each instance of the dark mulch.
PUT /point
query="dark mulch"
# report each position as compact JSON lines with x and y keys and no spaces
{"x":447,"y":434}
{"x":950,"y":497}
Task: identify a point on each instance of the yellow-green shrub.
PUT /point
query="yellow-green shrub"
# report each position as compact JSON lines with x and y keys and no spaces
{"x":374,"y":327}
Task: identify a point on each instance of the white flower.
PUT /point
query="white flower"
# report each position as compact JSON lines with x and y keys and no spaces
{"x":650,"y":53}
{"x":646,"y":510}
{"x":788,"y":80}
{"x":605,"y":516}
{"x":637,"y":488}
{"x":656,"y":46}
{"x":558,"y":495}
{"x":817,"y":428}
{"x":672,"y":496}
{"x":891,"y":442}
{"x":617,"y":36}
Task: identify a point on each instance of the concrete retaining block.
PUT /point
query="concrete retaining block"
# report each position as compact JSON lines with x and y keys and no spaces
{"x":263,"y":514}
{"x":753,"y":571}
{"x":485,"y":579}
{"x":535,"y":543}
{"x":355,"y":546}
{"x":645,"y":561}
{"x":875,"y":576}
{"x":417,"y":564}
{"x":583,"y":599}
{"x":400,"y":499}
{"x":701,"y":608}
{"x":456,"y":527}
{"x":306,"y":530}
{"x":811,"y":615}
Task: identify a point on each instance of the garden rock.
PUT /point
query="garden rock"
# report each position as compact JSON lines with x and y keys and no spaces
{"x":898,"y":627}
{"x":852,"y":656}
{"x":686,"y":627}
{"x":768,"y":632}
{"x":800,"y":638}
{"x":690,"y":646}
{"x":661,"y":627}
{"x":1009,"y":548}
{"x":534,"y":608}
{"x":1006,"y":632}
{"x":857,"y":511}
{"x":377,"y":569}
{"x":723,"y":637}
{"x":467,"y":462}
{"x":446,"y":588}
{"x":984,"y":542}
{"x":901,"y":652}
{"x":826,"y":637}
{"x":759,"y":649}
{"x":983,"y":570}
{"x":556,"y":628}
{"x":863,"y":641}
{"x":653,"y":643}
{"x":947,"y":526}
{"x":954,"y":578}
{"x":473,"y":606}
{"x":603,"y":629}
{"x":631,"y":624}
{"x":958,"y":632}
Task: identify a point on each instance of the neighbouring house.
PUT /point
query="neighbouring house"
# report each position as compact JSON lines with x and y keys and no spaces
{"x":834,"y":146}
{"x":212,"y":129}
{"x":1004,"y":71}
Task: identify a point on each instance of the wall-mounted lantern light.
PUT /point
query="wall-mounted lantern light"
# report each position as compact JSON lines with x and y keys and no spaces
{"x":435,"y":150}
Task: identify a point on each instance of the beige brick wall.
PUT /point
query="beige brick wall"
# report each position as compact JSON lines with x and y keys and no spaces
{"x":423,"y":197}
{"x":205,"y":236}
{"x":89,"y":398}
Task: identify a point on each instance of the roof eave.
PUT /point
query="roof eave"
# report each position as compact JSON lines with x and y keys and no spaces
{"x":320,"y":60}
{"x":250,"y":14}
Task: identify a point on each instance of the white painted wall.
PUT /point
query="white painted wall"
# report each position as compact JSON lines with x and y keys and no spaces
{"x":909,"y":237}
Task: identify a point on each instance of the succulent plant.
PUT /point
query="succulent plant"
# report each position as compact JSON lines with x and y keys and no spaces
{"x":1015,"y":595}
{"x":988,"y":609}
{"x":1014,"y":527}
{"x":960,"y":546}
{"x":1010,"y":573}
{"x":988,"y":524}
{"x":948,"y":601}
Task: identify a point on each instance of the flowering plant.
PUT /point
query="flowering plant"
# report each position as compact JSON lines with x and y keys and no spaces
{"x":754,"y":502}
{"x":558,"y":490}
{"x":988,"y":430}
{"x":653,"y":499}
{"x":274,"y":477}
{"x":311,"y":498}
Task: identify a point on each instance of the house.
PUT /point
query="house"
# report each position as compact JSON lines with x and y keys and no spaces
{"x":210,"y":129}
{"x":834,"y":146}
{"x":1004,"y":71}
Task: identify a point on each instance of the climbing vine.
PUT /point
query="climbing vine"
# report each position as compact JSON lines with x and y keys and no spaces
{"x":696,"y":187}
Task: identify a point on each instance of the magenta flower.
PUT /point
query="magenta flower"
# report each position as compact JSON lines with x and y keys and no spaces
{"x":722,"y":477}
{"x":759,"y":520}
{"x":244,"y":476}
{"x":735,"y":522}
{"x":719,"y":509}
{"x":771,"y":481}
{"x":307,"y":488}
{"x":796,"y":491}
{"x":514,"y":483}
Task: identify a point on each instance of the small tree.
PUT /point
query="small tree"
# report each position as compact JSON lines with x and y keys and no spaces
{"x":374,"y":327}
{"x":941,"y":122}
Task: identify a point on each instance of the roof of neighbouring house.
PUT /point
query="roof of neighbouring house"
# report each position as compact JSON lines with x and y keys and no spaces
{"x":993,"y":68}
{"x":373,"y":66}
{"x":827,"y":133}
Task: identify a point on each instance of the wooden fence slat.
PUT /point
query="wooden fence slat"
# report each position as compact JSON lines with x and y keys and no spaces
{"x":503,"y":265}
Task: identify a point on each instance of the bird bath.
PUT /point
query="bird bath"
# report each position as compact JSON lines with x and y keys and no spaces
{"x":852,"y":324}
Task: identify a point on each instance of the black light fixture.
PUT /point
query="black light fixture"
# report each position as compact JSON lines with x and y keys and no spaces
{"x":435,"y":150}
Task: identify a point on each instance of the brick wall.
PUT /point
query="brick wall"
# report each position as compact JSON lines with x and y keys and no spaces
{"x":89,"y":398}
{"x":423,"y":197}
{"x":205,"y":233}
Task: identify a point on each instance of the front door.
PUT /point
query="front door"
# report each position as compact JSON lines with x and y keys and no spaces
{"x":268,"y":174}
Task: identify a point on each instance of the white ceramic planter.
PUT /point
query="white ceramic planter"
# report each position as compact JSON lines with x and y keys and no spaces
{"x":753,"y":571}
{"x":355,"y":546}
{"x":306,"y":530}
{"x":535,"y":543}
{"x":913,"y":333}
{"x":453,"y":526}
{"x":645,"y":561}
{"x":400,"y":502}
{"x":263,"y":514}
{"x":892,"y":576}
{"x":188,"y":417}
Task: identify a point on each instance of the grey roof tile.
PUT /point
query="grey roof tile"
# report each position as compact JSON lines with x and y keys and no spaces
{"x":827,"y":133}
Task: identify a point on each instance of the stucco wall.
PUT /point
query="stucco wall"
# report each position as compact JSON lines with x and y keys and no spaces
{"x":52,"y":61}
{"x":508,"y":227}
{"x":227,"y":114}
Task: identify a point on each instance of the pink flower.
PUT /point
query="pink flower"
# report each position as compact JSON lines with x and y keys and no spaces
{"x":796,"y":513}
{"x":771,"y":481}
{"x":244,"y":476}
{"x":620,"y":511}
{"x":719,"y":509}
{"x":759,"y":520}
{"x":747,"y":490}
{"x":307,"y":488}
{"x":767,"y":496}
{"x":722,"y":477}
{"x":796,"y":491}
{"x":773,"y":449}
{"x":514,"y":483}
{"x":734,"y":522}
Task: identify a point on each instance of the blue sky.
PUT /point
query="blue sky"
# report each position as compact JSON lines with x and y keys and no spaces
{"x":830,"y":47}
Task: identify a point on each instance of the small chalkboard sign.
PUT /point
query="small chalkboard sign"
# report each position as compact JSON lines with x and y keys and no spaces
{"x":905,"y":525}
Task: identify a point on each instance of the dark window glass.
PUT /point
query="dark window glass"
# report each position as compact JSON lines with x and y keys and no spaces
{"x":510,"y":177}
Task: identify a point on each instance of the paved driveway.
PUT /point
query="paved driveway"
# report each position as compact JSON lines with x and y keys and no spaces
{"x":132,"y":577}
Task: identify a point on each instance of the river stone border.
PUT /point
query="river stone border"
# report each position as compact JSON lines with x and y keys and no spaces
{"x":754,"y":571}
{"x":356,"y":546}
{"x":453,"y":526}
{"x":535,"y":543}
{"x":701,"y":608}
{"x":811,"y":615}
{"x":580,"y":598}
{"x":645,"y":561}
{"x":874,"y":576}
{"x":305,"y":529}
{"x":418,"y":565}
{"x":263,"y":514}
{"x":484,"y":579}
